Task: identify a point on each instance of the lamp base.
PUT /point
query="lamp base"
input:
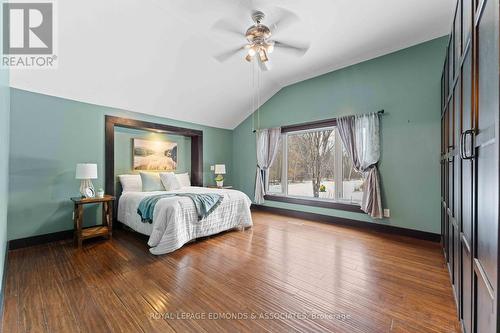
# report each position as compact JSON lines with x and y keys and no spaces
{"x":84,"y":185}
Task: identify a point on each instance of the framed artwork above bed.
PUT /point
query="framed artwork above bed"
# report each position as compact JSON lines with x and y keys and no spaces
{"x":112,"y":122}
{"x":154,"y":155}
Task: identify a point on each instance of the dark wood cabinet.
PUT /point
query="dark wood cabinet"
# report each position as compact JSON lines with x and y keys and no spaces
{"x":470,"y":88}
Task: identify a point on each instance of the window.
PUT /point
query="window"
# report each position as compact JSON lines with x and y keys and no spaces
{"x":275,"y":172}
{"x":312,"y":164}
{"x":352,"y":181}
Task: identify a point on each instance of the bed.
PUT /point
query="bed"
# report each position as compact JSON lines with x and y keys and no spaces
{"x":175,"y":220}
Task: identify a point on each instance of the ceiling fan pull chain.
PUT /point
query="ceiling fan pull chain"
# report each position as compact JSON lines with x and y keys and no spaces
{"x":257,"y":94}
{"x":259,"y":75}
{"x":254,"y":106}
{"x":252,"y":76}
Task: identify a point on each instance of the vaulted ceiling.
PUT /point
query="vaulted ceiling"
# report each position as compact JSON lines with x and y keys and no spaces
{"x":156,"y":56}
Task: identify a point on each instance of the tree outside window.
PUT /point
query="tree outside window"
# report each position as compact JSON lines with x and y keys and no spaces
{"x":310,"y":164}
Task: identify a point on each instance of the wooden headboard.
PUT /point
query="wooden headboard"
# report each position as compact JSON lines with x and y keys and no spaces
{"x":112,"y":122}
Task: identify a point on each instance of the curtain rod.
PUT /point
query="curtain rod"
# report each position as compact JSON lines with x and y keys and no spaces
{"x":381,"y":112}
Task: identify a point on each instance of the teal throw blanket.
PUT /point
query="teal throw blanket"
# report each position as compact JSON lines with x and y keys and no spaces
{"x":205,"y":204}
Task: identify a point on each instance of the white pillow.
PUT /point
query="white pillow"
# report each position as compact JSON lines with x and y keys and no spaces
{"x":131,"y":183}
{"x":170,"y":181}
{"x":151,"y":182}
{"x":184,"y":179}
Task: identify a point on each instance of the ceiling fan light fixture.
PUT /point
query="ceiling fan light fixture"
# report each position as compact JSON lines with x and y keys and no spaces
{"x":252,"y":51}
{"x":258,"y":44}
{"x":263,"y":55}
{"x":265,"y":66}
{"x":270,"y":47}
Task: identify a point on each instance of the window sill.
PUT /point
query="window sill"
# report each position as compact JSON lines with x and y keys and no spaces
{"x":315,"y":202}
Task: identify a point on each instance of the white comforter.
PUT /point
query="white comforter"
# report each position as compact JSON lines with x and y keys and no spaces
{"x":175,"y":221}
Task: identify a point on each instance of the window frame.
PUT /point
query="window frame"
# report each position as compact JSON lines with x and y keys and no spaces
{"x":316,"y":202}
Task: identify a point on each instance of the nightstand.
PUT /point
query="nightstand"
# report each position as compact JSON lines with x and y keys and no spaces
{"x":223,"y":187}
{"x":106,"y":229}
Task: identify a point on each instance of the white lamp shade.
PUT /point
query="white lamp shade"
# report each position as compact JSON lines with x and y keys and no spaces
{"x":220,"y":169}
{"x":86,"y":171}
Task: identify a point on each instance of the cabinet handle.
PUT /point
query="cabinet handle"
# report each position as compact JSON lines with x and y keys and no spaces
{"x":462,"y":148}
{"x":468,"y":133}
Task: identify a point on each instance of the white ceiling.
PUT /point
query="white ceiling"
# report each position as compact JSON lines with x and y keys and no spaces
{"x":156,"y":56}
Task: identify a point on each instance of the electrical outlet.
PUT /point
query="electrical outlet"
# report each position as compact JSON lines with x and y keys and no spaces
{"x":212,"y":168}
{"x":387,"y":212}
{"x":73,"y":216}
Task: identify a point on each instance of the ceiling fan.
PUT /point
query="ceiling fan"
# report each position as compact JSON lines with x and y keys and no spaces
{"x":259,"y":43}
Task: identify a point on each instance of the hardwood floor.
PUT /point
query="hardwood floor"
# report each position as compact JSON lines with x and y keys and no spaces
{"x":293,"y":275}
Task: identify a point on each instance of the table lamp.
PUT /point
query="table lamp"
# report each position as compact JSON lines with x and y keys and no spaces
{"x":220,"y":169}
{"x":85,"y":172}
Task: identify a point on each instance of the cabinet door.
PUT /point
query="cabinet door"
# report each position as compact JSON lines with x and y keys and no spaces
{"x":466,"y":290}
{"x":457,"y":161}
{"x":451,"y":250}
{"x":446,"y":188}
{"x":485,"y":306}
{"x":467,"y":164}
{"x":467,"y":198}
{"x":451,"y":158}
{"x":457,"y":22}
{"x":451,"y":63}
{"x":456,"y":264}
{"x":466,"y":21}
{"x":443,"y":165}
{"x":486,"y":143}
{"x":451,"y":193}
{"x":457,"y":189}
{"x":446,"y":80}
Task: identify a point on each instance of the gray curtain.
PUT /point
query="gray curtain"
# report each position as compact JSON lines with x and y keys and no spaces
{"x":267,"y":147}
{"x":361,"y":138}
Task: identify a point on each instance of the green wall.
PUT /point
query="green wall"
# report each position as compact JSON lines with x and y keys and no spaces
{"x":4,"y":156}
{"x":407,"y":85}
{"x":49,"y":135}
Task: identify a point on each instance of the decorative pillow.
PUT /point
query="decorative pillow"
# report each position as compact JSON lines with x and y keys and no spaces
{"x":131,"y":183}
{"x":151,"y":182}
{"x":170,"y":181}
{"x":184,"y":179}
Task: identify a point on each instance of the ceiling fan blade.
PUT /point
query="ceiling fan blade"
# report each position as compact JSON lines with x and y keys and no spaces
{"x":281,"y":19}
{"x":249,"y":5}
{"x":222,"y":57}
{"x":228,"y":27}
{"x":297,"y":49}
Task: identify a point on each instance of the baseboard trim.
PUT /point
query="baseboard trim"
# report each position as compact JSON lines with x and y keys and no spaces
{"x":40,"y":239}
{"x":352,"y":223}
{"x":45,"y":238}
